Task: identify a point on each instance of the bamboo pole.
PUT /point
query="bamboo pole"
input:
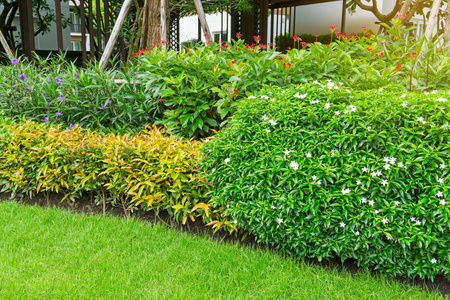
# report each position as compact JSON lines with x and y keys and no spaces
{"x":115,"y":34}
{"x":202,"y":17}
{"x":5,"y":45}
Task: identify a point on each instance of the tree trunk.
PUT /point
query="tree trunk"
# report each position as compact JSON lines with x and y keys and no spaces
{"x":405,"y":7}
{"x":151,"y":23}
{"x":447,"y":25}
{"x":432,"y":20}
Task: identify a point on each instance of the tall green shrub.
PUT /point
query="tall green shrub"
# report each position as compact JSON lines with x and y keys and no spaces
{"x":320,"y":171}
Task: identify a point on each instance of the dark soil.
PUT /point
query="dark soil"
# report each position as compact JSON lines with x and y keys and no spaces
{"x":84,"y":205}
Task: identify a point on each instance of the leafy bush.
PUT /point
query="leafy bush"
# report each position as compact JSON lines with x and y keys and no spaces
{"x":54,"y":91}
{"x":324,"y":172}
{"x":148,"y":170}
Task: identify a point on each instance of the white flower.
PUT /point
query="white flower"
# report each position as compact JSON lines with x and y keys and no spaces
{"x":401,"y":165}
{"x":440,"y":180}
{"x":319,"y":182}
{"x":213,"y":170}
{"x":442,"y":166}
{"x":376,"y":211}
{"x":441,"y":100}
{"x":345,"y":191}
{"x":427,"y":93}
{"x":352,"y":108}
{"x":384,"y":182}
{"x":443,"y":202}
{"x":273,"y":207}
{"x":252,"y":97}
{"x":389,"y":238}
{"x":315,"y":101}
{"x":371,"y":202}
{"x":337,"y":113}
{"x":314,"y":177}
{"x":385,"y":221}
{"x":358,"y":182}
{"x":386,"y":159}
{"x":403,"y":96}
{"x":417,"y":222}
{"x":413,"y":219}
{"x":420,"y":119}
{"x":380,"y":89}
{"x":340,"y":83}
{"x":227,"y":160}
{"x":404,"y":104}
{"x":345,"y":112}
{"x":308,"y":155}
{"x":374,"y":174}
{"x":251,"y":188}
{"x":357,"y":233}
{"x":264,"y":117}
{"x":379,"y":173}
{"x":369,"y":128}
{"x":327,"y":105}
{"x":316,"y":82}
{"x":287,"y":152}
{"x":294,"y":165}
{"x":273,"y":122}
{"x":279,"y":220}
{"x":300,"y":96}
{"x":386,"y":167}
{"x":439,"y":194}
{"x":397,"y":203}
{"x":364,"y":169}
{"x":433,"y":260}
{"x":265,"y":97}
{"x":363,"y":200}
{"x":330,"y":85}
{"x":268,"y":130}
{"x":392,"y":160}
{"x":342,"y":224}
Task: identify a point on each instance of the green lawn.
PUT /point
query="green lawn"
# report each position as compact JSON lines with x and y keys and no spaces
{"x":50,"y":253}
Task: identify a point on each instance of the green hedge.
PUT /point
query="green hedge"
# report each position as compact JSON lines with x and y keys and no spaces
{"x":324,"y":172}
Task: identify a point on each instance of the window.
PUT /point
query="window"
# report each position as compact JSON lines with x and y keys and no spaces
{"x":76,"y":46}
{"x":217,"y":37}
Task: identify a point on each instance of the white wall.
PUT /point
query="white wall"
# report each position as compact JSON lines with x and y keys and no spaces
{"x":189,"y":26}
{"x":317,"y":18}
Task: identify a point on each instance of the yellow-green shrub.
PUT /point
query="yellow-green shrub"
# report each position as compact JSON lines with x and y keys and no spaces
{"x":149,"y":170}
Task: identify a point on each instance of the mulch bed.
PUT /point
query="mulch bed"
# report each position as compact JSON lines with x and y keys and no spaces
{"x":84,"y":205}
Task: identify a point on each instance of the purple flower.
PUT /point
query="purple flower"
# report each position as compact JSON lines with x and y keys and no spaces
{"x":110,"y":102}
{"x":103,"y":107}
{"x":58,"y":113}
{"x":57,"y":80}
{"x":14,"y":61}
{"x":76,"y":74}
{"x":48,"y":80}
{"x":27,"y":89}
{"x":61,"y":97}
{"x":22,"y":76}
{"x":47,"y":105}
{"x":71,"y":126}
{"x":46,"y":119}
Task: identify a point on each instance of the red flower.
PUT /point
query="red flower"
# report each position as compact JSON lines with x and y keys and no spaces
{"x":332,"y":28}
{"x":232,"y":61}
{"x":238,"y":35}
{"x":369,"y":49}
{"x":256,"y":38}
{"x":399,"y":66}
{"x":316,"y":35}
{"x":297,"y":38}
{"x":364,"y":28}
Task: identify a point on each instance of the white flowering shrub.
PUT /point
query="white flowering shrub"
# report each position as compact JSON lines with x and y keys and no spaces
{"x":324,"y":172}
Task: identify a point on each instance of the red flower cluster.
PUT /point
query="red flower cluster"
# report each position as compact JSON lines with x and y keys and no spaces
{"x":332,"y":28}
{"x":379,"y":54}
{"x":157,"y":43}
{"x":369,"y":49}
{"x":364,"y":28}
{"x":287,"y":65}
{"x":411,"y":54}
{"x":257,"y":38}
{"x":345,"y":36}
{"x":234,"y":92}
{"x":400,"y":16}
{"x":304,"y":44}
{"x":399,"y":66}
{"x":297,"y":38}
{"x":141,"y":52}
{"x":238,"y":35}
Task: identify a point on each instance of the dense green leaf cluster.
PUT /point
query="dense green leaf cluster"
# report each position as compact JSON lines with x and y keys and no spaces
{"x":54,"y":91}
{"x":321,"y":171}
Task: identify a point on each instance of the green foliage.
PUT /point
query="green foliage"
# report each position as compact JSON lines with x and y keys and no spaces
{"x":320,"y":171}
{"x":87,"y":97}
{"x":147,"y":171}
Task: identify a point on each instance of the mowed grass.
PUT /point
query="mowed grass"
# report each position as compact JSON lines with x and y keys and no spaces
{"x":51,"y":253}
